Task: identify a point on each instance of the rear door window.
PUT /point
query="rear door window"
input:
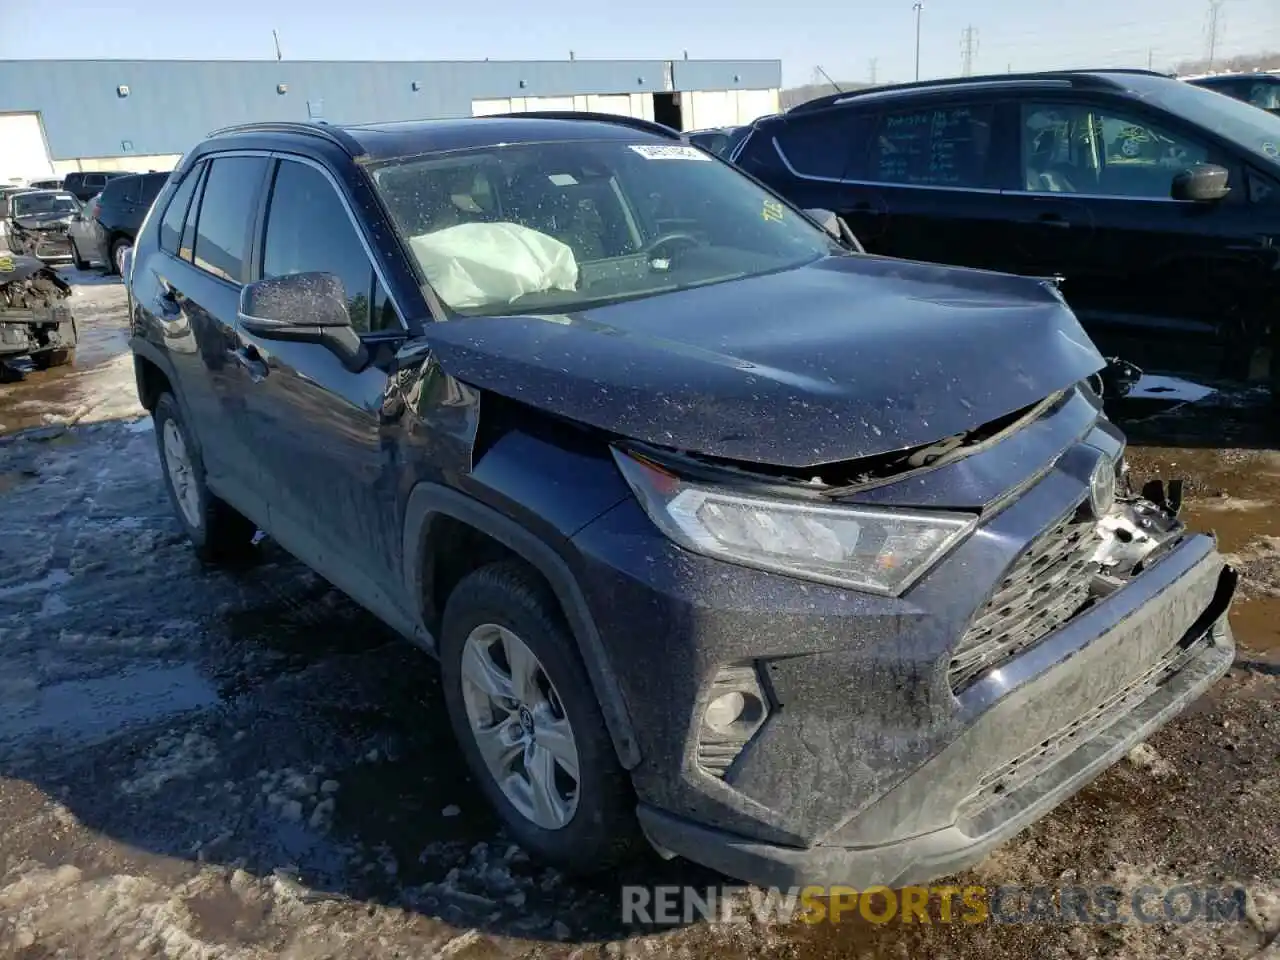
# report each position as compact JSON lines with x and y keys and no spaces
{"x":227,"y":209}
{"x":175,"y":215}
{"x":946,"y":145}
{"x":151,"y":186}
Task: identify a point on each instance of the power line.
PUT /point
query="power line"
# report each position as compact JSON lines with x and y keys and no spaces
{"x":968,"y":49}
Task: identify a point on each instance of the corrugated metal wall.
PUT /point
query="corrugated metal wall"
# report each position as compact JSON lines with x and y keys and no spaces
{"x":172,"y":104}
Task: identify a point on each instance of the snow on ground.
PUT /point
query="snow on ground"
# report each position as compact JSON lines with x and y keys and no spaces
{"x":207,"y":765}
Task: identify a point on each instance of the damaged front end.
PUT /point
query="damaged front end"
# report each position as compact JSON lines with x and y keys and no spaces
{"x":35,"y":317}
{"x":44,"y":238}
{"x":882,"y":668}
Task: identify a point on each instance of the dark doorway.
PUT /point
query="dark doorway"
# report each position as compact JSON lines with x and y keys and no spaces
{"x":666,"y":110}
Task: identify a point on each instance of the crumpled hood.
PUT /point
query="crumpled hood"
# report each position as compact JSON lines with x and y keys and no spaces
{"x":44,"y":221}
{"x":845,"y":358}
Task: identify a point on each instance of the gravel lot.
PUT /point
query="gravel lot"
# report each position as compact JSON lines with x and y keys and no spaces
{"x":213,"y":765}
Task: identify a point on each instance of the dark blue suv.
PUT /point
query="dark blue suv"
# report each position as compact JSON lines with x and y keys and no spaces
{"x":800,"y":563}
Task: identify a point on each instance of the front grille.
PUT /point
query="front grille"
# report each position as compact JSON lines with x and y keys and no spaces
{"x":1046,"y":587}
{"x":1024,"y":768}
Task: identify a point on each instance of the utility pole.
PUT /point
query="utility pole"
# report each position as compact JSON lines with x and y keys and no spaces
{"x":1151,"y":59}
{"x":874,"y":61}
{"x":968,"y":48}
{"x":918,"y":7}
{"x":1215,"y":24}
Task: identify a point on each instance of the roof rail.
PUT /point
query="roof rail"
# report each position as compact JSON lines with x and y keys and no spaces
{"x":638,"y":123}
{"x":1082,"y":78}
{"x":335,"y":135}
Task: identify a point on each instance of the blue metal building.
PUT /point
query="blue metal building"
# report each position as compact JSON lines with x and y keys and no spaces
{"x":115,"y":111}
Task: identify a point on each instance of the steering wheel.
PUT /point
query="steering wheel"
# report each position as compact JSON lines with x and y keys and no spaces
{"x":671,"y":236}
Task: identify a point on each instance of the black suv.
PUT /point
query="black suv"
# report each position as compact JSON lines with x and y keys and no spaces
{"x":85,"y":184}
{"x":717,"y":527}
{"x":119,"y":213}
{"x":1258,"y":89}
{"x":1156,"y":201}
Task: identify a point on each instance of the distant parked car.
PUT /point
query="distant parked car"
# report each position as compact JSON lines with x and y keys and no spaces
{"x":106,"y":229}
{"x":7,"y":192}
{"x":1154,"y":199}
{"x":86,"y":235}
{"x":718,"y":140}
{"x":1258,"y":89}
{"x":55,"y":184}
{"x":85,"y":184}
{"x":38,"y":222}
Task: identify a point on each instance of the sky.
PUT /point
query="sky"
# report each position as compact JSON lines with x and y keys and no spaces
{"x":842,"y":38}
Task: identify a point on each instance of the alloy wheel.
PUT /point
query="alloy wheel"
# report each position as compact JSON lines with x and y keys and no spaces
{"x":181,"y":475}
{"x":520,"y":726}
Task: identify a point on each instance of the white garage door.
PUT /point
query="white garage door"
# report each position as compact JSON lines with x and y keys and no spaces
{"x":23,"y":154}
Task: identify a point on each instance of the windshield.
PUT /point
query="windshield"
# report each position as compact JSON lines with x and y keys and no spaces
{"x":551,"y":227}
{"x":26,"y":204}
{"x":1246,"y":125}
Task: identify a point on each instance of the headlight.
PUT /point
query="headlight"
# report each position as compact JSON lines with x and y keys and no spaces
{"x":866,"y":548}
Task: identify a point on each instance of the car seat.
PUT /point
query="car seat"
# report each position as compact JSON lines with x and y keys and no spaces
{"x":540,"y":204}
{"x":1044,"y":174}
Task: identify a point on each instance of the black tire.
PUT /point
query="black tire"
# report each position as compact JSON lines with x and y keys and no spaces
{"x":53,"y":358}
{"x":603,"y":831}
{"x":223,"y":534}
{"x":113,"y":254}
{"x":79,"y":262}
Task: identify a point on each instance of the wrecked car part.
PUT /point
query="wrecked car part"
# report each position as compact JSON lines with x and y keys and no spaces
{"x":848,"y":478}
{"x":1117,"y":379}
{"x":35,"y":318}
{"x":1061,"y":575}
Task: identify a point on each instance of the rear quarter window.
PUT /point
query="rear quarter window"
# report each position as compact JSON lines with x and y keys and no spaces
{"x":821,"y":144}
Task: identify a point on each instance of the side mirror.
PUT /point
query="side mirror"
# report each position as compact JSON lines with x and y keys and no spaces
{"x":1203,"y":183}
{"x":835,"y":227}
{"x":304,"y":308}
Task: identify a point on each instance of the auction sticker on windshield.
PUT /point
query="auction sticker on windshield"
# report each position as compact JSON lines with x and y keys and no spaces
{"x":654,"y":151}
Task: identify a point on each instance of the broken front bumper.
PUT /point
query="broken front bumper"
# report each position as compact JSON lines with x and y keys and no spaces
{"x":47,"y":245}
{"x":1061,"y":715}
{"x":26,"y":331}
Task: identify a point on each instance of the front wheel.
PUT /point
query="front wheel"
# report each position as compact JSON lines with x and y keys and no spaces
{"x":219,"y":532}
{"x":78,"y":261}
{"x":527,"y":720}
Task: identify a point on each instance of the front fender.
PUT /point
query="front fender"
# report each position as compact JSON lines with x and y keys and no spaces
{"x":430,"y":501}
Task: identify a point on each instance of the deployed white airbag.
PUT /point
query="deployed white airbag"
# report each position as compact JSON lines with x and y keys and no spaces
{"x":477,"y":264}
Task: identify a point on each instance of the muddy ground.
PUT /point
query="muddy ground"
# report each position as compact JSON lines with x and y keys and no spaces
{"x":214,"y":765}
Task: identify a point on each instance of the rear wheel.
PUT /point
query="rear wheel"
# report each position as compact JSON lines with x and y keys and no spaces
{"x":80,"y":262}
{"x":219,"y":532}
{"x":52,"y":358}
{"x":119,"y":247}
{"x":527,"y":720}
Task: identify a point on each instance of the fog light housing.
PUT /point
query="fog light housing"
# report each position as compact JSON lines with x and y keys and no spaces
{"x":734,"y":709}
